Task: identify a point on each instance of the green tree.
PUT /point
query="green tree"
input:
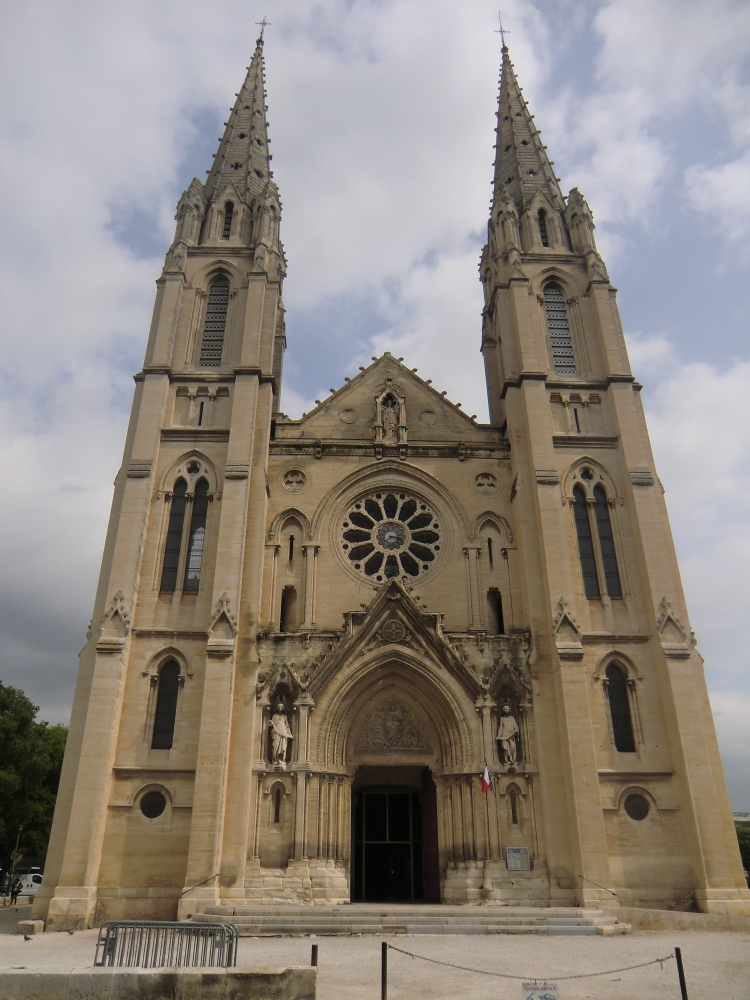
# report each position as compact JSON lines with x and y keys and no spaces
{"x":743,"y":836}
{"x":31,"y":755}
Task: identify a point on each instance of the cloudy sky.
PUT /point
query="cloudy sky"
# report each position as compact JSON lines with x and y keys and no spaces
{"x":381,"y":117}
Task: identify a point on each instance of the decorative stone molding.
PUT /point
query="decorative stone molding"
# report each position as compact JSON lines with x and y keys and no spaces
{"x":114,"y":627}
{"x":222,"y":630}
{"x":641,"y":477}
{"x":672,"y":635}
{"x":139,"y":470}
{"x":567,"y":634}
{"x":547,"y":477}
{"x":237,"y":470}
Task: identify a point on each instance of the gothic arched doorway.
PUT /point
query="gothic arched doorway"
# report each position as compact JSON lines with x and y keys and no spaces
{"x":394,"y":836}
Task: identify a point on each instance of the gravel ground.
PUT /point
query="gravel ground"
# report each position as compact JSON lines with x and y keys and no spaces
{"x":717,"y":965}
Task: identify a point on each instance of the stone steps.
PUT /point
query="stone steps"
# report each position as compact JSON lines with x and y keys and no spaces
{"x":298,"y":921}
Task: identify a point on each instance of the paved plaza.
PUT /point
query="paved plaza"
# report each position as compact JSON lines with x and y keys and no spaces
{"x":717,"y":965}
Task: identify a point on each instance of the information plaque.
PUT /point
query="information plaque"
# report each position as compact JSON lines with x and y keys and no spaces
{"x":518,"y":859}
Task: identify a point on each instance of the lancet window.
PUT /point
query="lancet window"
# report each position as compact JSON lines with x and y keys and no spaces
{"x":559,"y":330}
{"x":228,"y":214}
{"x":585,"y":543}
{"x":619,"y":709}
{"x":166,"y":706}
{"x":212,"y":345}
{"x":542,"y":219}
{"x":197,"y":537}
{"x":174,"y":537}
{"x":596,"y":541}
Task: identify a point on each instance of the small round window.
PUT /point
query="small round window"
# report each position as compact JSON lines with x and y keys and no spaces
{"x":637,"y":807}
{"x":153,"y":804}
{"x":390,"y":535}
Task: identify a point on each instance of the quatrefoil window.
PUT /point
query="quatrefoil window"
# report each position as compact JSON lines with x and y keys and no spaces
{"x":390,"y":534}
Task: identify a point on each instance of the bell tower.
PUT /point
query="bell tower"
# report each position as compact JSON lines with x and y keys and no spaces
{"x":597,"y":560}
{"x":184,"y":548}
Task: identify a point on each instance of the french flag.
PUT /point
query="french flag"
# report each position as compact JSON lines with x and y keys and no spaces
{"x":486,"y":779}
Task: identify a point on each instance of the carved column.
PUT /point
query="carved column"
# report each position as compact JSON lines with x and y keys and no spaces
{"x":299,"y":814}
{"x":274,"y":572}
{"x":471,"y":554}
{"x":256,"y":831}
{"x":304,"y":705}
{"x":311,"y":565}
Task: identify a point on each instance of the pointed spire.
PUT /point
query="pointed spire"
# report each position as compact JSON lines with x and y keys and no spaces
{"x":522,"y":166}
{"x":243,"y":158}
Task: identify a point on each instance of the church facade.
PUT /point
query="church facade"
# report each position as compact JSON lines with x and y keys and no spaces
{"x":316,"y":642}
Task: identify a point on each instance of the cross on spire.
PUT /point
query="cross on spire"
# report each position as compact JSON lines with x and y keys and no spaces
{"x":501,"y":31}
{"x":265,"y":23}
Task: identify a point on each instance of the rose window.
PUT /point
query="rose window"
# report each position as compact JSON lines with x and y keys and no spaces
{"x":387,"y":535}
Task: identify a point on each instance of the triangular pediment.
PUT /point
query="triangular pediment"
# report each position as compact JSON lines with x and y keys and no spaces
{"x":351,"y":412}
{"x":394,"y":620}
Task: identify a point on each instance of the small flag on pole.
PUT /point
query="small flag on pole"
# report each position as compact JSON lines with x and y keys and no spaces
{"x":486,"y":779}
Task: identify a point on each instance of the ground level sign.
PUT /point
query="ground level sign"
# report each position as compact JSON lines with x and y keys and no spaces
{"x":540,"y":991}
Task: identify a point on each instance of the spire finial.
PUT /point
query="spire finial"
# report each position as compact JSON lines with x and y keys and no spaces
{"x":265,"y":23}
{"x":502,"y":31}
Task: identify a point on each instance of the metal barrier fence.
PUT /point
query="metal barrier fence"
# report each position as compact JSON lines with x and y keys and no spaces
{"x":150,"y":944}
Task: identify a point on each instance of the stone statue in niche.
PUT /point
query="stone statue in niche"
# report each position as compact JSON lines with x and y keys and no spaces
{"x":389,"y":409}
{"x":280,"y":736}
{"x":507,"y":736}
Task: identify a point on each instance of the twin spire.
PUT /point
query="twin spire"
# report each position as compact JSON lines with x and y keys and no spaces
{"x":522,"y":166}
{"x":243,"y":158}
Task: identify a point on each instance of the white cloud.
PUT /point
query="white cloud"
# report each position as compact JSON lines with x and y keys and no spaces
{"x":381,"y":119}
{"x":723,"y":193}
{"x":732,"y":714}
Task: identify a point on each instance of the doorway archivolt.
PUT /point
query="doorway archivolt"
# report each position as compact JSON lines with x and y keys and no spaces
{"x":395,"y":709}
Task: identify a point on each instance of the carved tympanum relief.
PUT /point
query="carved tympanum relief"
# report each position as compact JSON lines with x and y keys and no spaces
{"x":393,"y":726}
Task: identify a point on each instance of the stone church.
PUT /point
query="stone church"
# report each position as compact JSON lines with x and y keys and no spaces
{"x":315,"y":642}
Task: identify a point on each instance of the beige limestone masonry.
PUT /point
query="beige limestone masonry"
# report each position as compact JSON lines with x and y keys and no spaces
{"x":391,"y":573}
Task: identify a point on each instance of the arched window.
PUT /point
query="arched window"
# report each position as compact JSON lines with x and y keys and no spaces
{"x":197,"y":537}
{"x":559,"y":330}
{"x":542,"y":217}
{"x":513,"y":807}
{"x":228,"y":213}
{"x":166,"y":706}
{"x":607,"y":543}
{"x":585,"y":543}
{"x":212,"y":345}
{"x":619,"y":709}
{"x":174,"y":538}
{"x":277,"y":805}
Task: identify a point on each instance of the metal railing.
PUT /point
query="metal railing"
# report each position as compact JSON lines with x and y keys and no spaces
{"x":151,"y":944}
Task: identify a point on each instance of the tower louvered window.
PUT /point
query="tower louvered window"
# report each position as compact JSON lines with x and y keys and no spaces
{"x":559,"y":330}
{"x":228,"y":213}
{"x":174,"y":537}
{"x":215,"y":324}
{"x":542,"y":217}
{"x":585,"y":544}
{"x":607,"y":543}
{"x":196,"y":538}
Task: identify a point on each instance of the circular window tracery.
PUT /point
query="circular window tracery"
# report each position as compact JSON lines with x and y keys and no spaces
{"x":390,"y":534}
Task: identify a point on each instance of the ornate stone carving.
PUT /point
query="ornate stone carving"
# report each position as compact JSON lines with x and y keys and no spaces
{"x":507,"y":736}
{"x":486,"y":483}
{"x":393,"y":630}
{"x":280,"y":736}
{"x":393,"y":726}
{"x":293,"y":480}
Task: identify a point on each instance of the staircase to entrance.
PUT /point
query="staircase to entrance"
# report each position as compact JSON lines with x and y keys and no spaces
{"x":372,"y":918}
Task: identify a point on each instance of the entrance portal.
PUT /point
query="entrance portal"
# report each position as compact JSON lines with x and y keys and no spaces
{"x":388,"y":846}
{"x":392,"y":836}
